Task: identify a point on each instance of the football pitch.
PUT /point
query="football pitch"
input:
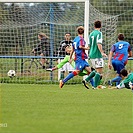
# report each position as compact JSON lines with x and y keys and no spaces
{"x":26,"y":108}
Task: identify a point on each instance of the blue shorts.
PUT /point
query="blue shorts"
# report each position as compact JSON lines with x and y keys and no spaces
{"x":118,"y":65}
{"x":81,"y":64}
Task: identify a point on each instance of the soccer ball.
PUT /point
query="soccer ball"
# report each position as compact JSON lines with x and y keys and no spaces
{"x":11,"y":73}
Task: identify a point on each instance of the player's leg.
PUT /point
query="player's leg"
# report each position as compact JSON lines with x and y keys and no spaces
{"x":117,"y":79}
{"x":69,"y":76}
{"x":118,"y":66}
{"x":42,"y":61}
{"x":60,"y":65}
{"x":79,"y":65}
{"x":61,"y":71}
{"x":69,"y":67}
{"x":85,"y":73}
{"x":97,"y":76}
{"x":98,"y":64}
{"x":93,"y":72}
{"x":90,"y":76}
{"x":52,"y":69}
{"x":89,"y":70}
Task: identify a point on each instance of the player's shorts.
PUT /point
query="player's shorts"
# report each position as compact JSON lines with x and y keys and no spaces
{"x":81,"y":64}
{"x":67,"y":67}
{"x":117,"y":65}
{"x":97,"y":63}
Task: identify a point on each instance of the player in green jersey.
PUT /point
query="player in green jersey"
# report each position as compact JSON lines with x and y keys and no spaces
{"x":127,"y":81}
{"x":96,"y":53}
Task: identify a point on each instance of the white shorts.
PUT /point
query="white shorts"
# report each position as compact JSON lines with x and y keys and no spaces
{"x":97,"y":63}
{"x":67,"y":67}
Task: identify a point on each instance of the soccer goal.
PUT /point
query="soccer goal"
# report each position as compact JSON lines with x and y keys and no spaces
{"x":20,"y":24}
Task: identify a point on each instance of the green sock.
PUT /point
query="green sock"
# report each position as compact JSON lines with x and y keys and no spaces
{"x":91,"y":75}
{"x":97,"y":79}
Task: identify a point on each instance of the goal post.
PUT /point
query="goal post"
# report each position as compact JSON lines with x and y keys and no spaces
{"x":86,"y":21}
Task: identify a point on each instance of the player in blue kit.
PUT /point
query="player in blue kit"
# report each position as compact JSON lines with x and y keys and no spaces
{"x":121,"y":51}
{"x":78,"y":47}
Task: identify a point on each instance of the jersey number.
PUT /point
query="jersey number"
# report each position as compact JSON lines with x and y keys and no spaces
{"x":120,"y":46}
{"x":75,"y":45}
{"x":92,"y":37}
{"x":98,"y":63}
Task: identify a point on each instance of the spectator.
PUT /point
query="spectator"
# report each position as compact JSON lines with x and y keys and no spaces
{"x":42,"y":48}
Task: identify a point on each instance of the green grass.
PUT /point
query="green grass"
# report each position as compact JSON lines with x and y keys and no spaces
{"x":47,"y":109}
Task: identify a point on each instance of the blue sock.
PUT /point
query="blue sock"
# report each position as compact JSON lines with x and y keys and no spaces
{"x":117,"y":80}
{"x":69,"y":76}
{"x":92,"y":81}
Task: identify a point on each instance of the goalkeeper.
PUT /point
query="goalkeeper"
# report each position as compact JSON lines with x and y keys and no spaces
{"x":62,"y":53}
{"x":65,"y":60}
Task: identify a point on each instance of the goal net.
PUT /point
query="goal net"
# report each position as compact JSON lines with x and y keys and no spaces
{"x":20,"y":24}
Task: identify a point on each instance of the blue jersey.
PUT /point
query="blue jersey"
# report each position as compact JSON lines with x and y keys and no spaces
{"x":121,"y":50}
{"x":79,"y":53}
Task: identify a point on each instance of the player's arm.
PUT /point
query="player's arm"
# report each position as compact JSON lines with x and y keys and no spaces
{"x":101,"y":49}
{"x":129,"y":52}
{"x":110,"y":60}
{"x":82,"y":45}
{"x":37,"y":48}
{"x":110,"y":57}
{"x":71,"y":54}
{"x":99,"y":43}
{"x":85,"y":48}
